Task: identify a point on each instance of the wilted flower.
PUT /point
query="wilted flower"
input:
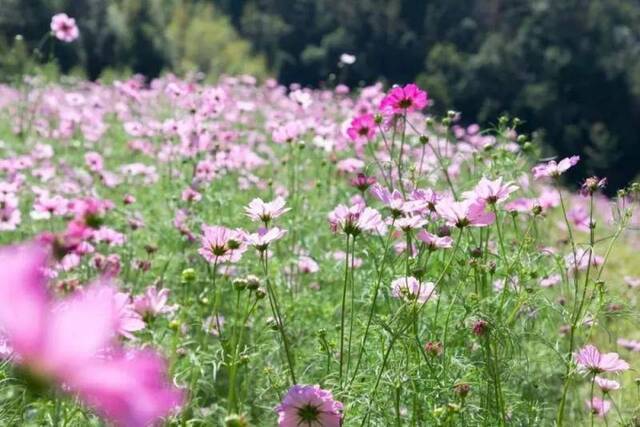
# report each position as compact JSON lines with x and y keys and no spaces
{"x":309,"y":405}
{"x":592,"y":184}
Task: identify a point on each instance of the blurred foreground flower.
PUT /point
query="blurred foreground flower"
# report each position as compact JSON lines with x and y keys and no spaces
{"x":72,"y":343}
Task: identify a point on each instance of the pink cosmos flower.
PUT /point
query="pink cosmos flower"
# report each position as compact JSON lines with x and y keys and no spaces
{"x":153,"y":302}
{"x":64,"y":28}
{"x":94,"y":161}
{"x":264,"y":237}
{"x":362,"y":182}
{"x":287,"y":133}
{"x":340,"y":256}
{"x":550,"y":281}
{"x":307,"y":265}
{"x":579,"y":217}
{"x":394,"y":201}
{"x":606,"y":385}
{"x":434,"y":242}
{"x":10,"y":216}
{"x":553,"y":169}
{"x":309,"y":405}
{"x":632,"y":345}
{"x":598,"y":406}
{"x":190,"y":195}
{"x":491,"y":192}
{"x":633,"y":282}
{"x":221,"y":244}
{"x":465,"y":213}
{"x":355,"y":219}
{"x":408,"y":223}
{"x":259,"y":210}
{"x":363,"y":128}
{"x":411,"y":289}
{"x":590,"y":360}
{"x":582,"y":257}
{"x":404,"y":99}
{"x":128,"y":320}
{"x":72,"y":342}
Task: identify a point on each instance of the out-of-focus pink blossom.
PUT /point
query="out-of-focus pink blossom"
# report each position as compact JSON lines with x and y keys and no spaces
{"x":153,"y":302}
{"x":71,"y":342}
{"x":64,"y":28}
{"x":598,"y":406}
{"x":553,"y":169}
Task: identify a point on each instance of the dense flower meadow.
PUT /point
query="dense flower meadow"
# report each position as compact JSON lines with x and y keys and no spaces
{"x":251,"y":254}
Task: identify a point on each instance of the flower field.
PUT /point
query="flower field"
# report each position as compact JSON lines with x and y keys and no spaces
{"x":252,"y":254}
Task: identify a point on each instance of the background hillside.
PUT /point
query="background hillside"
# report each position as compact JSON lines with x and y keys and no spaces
{"x":570,"y":69}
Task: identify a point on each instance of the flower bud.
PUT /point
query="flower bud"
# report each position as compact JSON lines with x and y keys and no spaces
{"x":188,"y":275}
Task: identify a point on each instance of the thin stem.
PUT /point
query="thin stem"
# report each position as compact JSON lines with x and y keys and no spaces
{"x":276,"y":313}
{"x":343,"y":308}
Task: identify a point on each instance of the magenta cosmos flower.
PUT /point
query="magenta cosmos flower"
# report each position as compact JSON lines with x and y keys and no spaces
{"x":221,"y":244}
{"x":309,"y":406}
{"x":363,"y":128}
{"x":590,"y":360}
{"x":72,"y":343}
{"x":553,"y":169}
{"x":404,"y":99}
{"x":465,"y":213}
{"x":64,"y":28}
{"x":259,"y":210}
{"x":411,"y":289}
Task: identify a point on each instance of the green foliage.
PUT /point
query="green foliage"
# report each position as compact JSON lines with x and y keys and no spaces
{"x":222,"y":50}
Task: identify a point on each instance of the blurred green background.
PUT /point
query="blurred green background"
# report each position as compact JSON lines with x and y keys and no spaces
{"x":569,"y":68}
